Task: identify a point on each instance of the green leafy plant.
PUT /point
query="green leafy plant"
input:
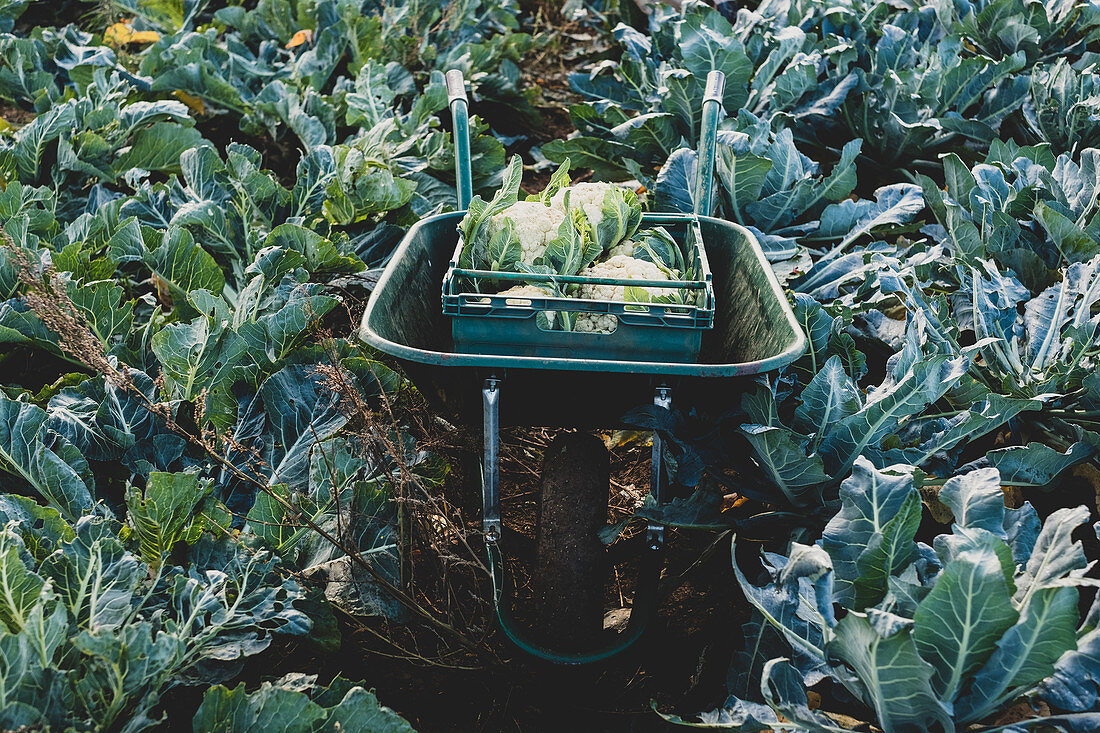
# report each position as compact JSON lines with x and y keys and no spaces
{"x":195,"y":211}
{"x":930,"y":637}
{"x":296,"y":704}
{"x":649,"y":104}
{"x":1061,"y":109}
{"x":163,"y":515}
{"x":915,"y":95}
{"x":1005,"y":27}
{"x":92,"y":635}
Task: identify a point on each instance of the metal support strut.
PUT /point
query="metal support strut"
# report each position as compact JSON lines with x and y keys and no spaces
{"x":490,"y":465}
{"x":655,"y":533}
{"x":645,"y":598}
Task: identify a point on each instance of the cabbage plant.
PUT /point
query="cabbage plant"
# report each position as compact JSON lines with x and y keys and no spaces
{"x":97,"y":621}
{"x":929,"y":638}
{"x":296,"y":704}
{"x":1063,"y":107}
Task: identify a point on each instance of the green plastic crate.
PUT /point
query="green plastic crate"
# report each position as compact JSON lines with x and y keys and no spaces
{"x":484,"y":323}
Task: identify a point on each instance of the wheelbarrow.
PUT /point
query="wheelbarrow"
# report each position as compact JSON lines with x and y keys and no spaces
{"x":754,"y":332}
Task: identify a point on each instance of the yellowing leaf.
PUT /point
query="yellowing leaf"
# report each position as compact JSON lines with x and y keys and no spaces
{"x":116,"y":34}
{"x":164,"y":290}
{"x":122,"y":33}
{"x":302,"y":36}
{"x":193,"y":103}
{"x":732,"y":501}
{"x":627,"y":437}
{"x":144,"y":37}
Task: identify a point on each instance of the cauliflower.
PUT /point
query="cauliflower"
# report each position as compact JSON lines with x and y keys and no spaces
{"x":527,"y":291}
{"x":595,"y":323}
{"x":585,"y":196}
{"x":531,"y":291}
{"x":616,"y":266}
{"x":625,"y":248}
{"x":623,"y":268}
{"x":535,"y":225}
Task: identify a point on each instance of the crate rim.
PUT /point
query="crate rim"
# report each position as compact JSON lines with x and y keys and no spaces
{"x":701,"y":315}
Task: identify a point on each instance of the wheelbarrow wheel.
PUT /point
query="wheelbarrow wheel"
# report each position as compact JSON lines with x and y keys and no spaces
{"x":571,"y":568}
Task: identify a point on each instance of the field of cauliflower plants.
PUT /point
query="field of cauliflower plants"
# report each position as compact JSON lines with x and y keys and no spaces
{"x":222,"y":511}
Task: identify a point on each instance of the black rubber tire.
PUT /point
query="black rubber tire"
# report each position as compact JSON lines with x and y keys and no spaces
{"x":571,"y":567}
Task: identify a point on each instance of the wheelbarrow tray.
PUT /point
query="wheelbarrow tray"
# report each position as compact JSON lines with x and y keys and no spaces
{"x":754,"y":331}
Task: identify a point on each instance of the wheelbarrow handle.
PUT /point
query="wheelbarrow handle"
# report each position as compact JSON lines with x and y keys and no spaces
{"x":460,"y":114}
{"x":708,"y":140}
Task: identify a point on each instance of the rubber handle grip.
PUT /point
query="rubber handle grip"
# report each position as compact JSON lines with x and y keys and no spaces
{"x":456,"y":86}
{"x":716,"y":86}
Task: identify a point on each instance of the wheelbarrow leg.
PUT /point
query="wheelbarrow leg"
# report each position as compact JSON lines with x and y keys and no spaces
{"x":490,"y":465}
{"x":655,"y":533}
{"x":645,"y":595}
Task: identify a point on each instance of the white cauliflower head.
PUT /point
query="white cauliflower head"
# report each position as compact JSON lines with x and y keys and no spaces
{"x":536,"y":225}
{"x":623,"y":268}
{"x":595,"y":323}
{"x":585,"y":196}
{"x":625,"y":248}
{"x":530,"y":291}
{"x":526,"y":291}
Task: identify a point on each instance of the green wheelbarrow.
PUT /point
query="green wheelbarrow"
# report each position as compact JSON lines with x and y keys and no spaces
{"x":754,"y":332}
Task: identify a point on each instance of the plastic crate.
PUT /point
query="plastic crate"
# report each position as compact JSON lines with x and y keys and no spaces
{"x":483,"y":323}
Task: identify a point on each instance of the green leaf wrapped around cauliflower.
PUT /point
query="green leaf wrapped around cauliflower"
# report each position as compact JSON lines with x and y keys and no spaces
{"x":623,"y":268}
{"x":655,"y":245}
{"x":502,"y":249}
{"x":613,"y":212}
{"x":585,"y":196}
{"x":532,"y":223}
{"x":563,"y":228}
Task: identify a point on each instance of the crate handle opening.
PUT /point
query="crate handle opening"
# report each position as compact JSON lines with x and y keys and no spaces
{"x":548,"y":324}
